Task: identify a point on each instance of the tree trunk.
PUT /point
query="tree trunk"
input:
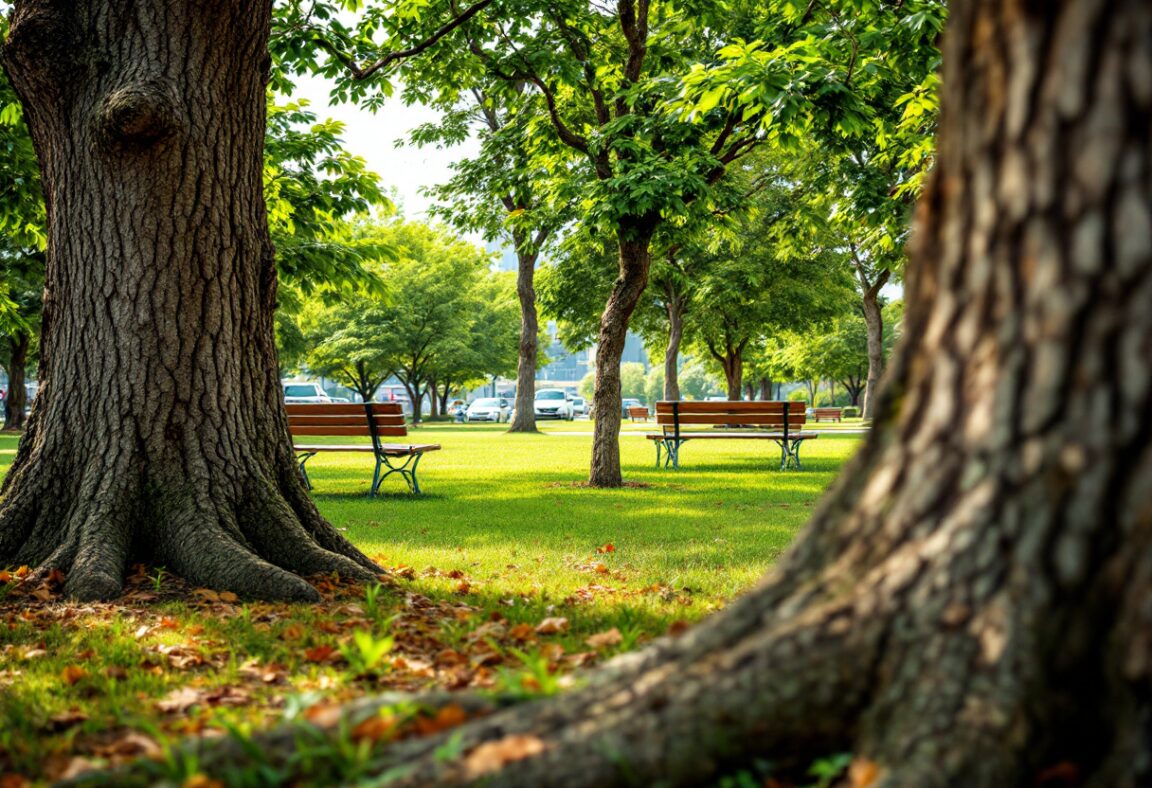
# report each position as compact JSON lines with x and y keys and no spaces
{"x":159,"y":431}
{"x":874,"y":321}
{"x":749,"y":390}
{"x":433,"y":399}
{"x":635,"y":260}
{"x":675,"y":337}
{"x":17,"y":398}
{"x":524,"y":413}
{"x":765,"y":389}
{"x":734,"y":374}
{"x":971,"y":603}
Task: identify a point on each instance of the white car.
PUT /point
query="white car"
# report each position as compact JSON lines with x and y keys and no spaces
{"x":553,"y":404}
{"x":488,"y":409}
{"x":579,"y":406}
{"x":295,"y":393}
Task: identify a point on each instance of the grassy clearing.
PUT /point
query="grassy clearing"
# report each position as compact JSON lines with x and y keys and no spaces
{"x":504,"y":575}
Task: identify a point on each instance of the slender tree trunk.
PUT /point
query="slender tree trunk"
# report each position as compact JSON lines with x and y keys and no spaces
{"x":433,"y":400}
{"x":524,"y":413}
{"x":765,"y":389}
{"x":159,"y":432}
{"x":874,"y":321}
{"x":733,"y":364}
{"x":635,"y":261}
{"x":17,"y":399}
{"x":749,"y":390}
{"x":675,"y":337}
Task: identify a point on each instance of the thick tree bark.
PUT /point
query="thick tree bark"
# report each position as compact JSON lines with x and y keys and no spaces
{"x":159,"y":431}
{"x":971,"y":603}
{"x":675,"y":307}
{"x":635,"y":239}
{"x":17,"y":399}
{"x":524,"y":413}
{"x":874,"y":323}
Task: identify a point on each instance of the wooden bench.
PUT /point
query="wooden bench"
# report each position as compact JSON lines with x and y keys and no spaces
{"x":638,"y":412}
{"x":826,"y":414}
{"x":370,"y":419}
{"x":780,"y":422}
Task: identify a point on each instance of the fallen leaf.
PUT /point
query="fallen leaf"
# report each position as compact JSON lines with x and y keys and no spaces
{"x":63,"y":721}
{"x":201,"y":781}
{"x":608,"y":548}
{"x":494,"y":755}
{"x":374,"y":729}
{"x":604,"y":639}
{"x":292,"y":632}
{"x":72,"y":674}
{"x":863,"y":773}
{"x":323,"y":653}
{"x":521,"y":632}
{"x":552,"y":626}
{"x":179,"y":700}
{"x":601,"y":569}
{"x":448,"y":717}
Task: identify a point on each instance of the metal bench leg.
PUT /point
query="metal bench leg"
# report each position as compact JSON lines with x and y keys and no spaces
{"x":301,"y":460}
{"x":407,"y":473}
{"x":790,"y":454}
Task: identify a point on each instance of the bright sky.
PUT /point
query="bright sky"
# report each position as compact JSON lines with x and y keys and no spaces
{"x":406,"y":169}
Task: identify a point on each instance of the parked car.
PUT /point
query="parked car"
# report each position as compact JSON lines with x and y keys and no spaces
{"x":553,"y":404}
{"x":625,"y":404}
{"x":295,"y":392}
{"x":579,"y":406}
{"x":489,"y":409}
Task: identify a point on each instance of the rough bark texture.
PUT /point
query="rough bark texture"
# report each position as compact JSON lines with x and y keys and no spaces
{"x":17,"y":398}
{"x":675,"y":307}
{"x":635,"y":261}
{"x":874,"y":323}
{"x":524,"y":414}
{"x":972,"y":602}
{"x":159,"y":431}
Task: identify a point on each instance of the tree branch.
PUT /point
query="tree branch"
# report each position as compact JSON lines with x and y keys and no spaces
{"x":364,"y":72}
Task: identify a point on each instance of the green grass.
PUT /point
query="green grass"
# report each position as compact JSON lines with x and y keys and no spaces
{"x":503,"y":538}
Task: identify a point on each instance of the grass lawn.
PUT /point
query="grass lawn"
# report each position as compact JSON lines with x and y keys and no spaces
{"x":505,"y":574}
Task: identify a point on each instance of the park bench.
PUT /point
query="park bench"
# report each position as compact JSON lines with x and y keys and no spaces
{"x":372,"y":419}
{"x":638,"y":412}
{"x":779,"y":422}
{"x":826,"y":414}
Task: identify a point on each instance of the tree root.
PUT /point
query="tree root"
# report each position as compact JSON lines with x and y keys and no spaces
{"x":251,"y":536}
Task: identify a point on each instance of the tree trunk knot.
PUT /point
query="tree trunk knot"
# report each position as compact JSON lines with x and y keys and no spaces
{"x":135,"y":117}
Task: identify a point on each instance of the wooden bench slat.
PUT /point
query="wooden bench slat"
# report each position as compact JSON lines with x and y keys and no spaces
{"x":343,"y":421}
{"x":341,"y":409}
{"x":348,"y":430}
{"x":740,"y":406}
{"x":732,"y":418}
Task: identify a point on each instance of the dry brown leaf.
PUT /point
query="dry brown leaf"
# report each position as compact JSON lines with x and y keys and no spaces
{"x":201,"y":781}
{"x":521,"y":632}
{"x":374,"y":729}
{"x":72,"y":674}
{"x":552,"y":626}
{"x":448,"y":717}
{"x":323,"y":653}
{"x":179,"y":700}
{"x":13,"y":780}
{"x":604,"y":639}
{"x":494,"y":755}
{"x":863,"y":773}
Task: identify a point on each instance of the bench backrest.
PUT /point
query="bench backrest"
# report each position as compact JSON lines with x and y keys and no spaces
{"x":375,"y":419}
{"x":674,"y":417}
{"x":638,"y":412}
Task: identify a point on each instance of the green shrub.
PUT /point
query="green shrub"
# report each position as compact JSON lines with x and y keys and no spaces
{"x":850,"y":412}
